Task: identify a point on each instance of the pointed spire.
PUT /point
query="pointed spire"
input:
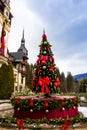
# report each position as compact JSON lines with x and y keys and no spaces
{"x":23,"y":40}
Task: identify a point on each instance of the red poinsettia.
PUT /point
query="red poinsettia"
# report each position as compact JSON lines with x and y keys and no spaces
{"x":17,"y":101}
{"x":31,"y":103}
{"x":46,"y":103}
{"x":74,"y":101}
{"x":65,"y":125}
{"x":20,"y":124}
{"x":63,"y":102}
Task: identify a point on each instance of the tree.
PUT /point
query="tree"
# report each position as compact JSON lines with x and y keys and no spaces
{"x":69,"y":81}
{"x":83,"y":85}
{"x":6,"y":81}
{"x":63,"y":82}
{"x":29,"y":75}
{"x":45,"y":79}
{"x":58,"y":72}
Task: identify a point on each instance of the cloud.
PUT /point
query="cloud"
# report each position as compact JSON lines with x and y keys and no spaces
{"x":65,"y":23}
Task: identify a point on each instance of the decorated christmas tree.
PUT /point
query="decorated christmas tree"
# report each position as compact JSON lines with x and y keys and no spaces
{"x":45,"y":106}
{"x":45,"y":79}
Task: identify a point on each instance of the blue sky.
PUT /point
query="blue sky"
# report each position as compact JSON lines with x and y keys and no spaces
{"x":65,"y":23}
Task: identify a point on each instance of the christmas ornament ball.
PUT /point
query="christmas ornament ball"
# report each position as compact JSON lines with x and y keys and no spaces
{"x":44,"y":67}
{"x":31,"y":110}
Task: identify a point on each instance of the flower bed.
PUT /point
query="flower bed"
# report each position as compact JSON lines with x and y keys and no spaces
{"x":55,"y":107}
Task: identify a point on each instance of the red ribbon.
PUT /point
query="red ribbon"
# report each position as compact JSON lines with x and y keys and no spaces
{"x":65,"y":125}
{"x":20,"y":124}
{"x":2,"y":41}
{"x":44,"y":82}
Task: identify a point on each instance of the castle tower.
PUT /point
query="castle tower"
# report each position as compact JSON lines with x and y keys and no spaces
{"x":22,"y":48}
{"x":5,"y":25}
{"x":20,"y":64}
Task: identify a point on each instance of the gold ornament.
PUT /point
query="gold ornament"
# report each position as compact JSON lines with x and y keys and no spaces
{"x":39,"y":45}
{"x":45,"y":42}
{"x":74,"y":107}
{"x":44,"y":67}
{"x":46,"y":110}
{"x":63,"y":108}
{"x":34,"y":69}
{"x":18,"y":109}
{"x":31,"y":110}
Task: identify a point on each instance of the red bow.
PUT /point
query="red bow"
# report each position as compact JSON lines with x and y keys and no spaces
{"x":46,"y":103}
{"x":65,"y":125}
{"x":31,"y":103}
{"x":44,"y":82}
{"x":20,"y":124}
{"x":44,"y":58}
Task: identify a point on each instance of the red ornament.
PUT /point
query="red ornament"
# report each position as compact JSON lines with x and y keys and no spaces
{"x":57,"y":79}
{"x":57,"y":83}
{"x":44,"y":36}
{"x":34,"y":72}
{"x":39,"y":71}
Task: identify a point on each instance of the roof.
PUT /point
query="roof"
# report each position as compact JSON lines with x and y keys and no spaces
{"x":18,"y":55}
{"x":23,"y":49}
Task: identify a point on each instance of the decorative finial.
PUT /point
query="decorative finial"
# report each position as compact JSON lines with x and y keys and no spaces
{"x":23,"y":40}
{"x":43,"y":30}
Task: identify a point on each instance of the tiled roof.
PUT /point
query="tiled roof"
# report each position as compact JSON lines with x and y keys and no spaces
{"x":18,"y":55}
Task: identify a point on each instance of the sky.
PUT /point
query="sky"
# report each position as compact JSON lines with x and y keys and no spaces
{"x":65,"y":23}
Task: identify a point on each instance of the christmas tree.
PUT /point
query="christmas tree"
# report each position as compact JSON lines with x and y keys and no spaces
{"x":45,"y":78}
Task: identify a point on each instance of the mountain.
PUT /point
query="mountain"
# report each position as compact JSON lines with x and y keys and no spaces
{"x":79,"y":77}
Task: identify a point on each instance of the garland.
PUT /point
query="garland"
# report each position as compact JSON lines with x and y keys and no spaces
{"x":43,"y":103}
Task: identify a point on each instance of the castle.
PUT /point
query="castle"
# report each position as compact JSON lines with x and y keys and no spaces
{"x":19,"y":58}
